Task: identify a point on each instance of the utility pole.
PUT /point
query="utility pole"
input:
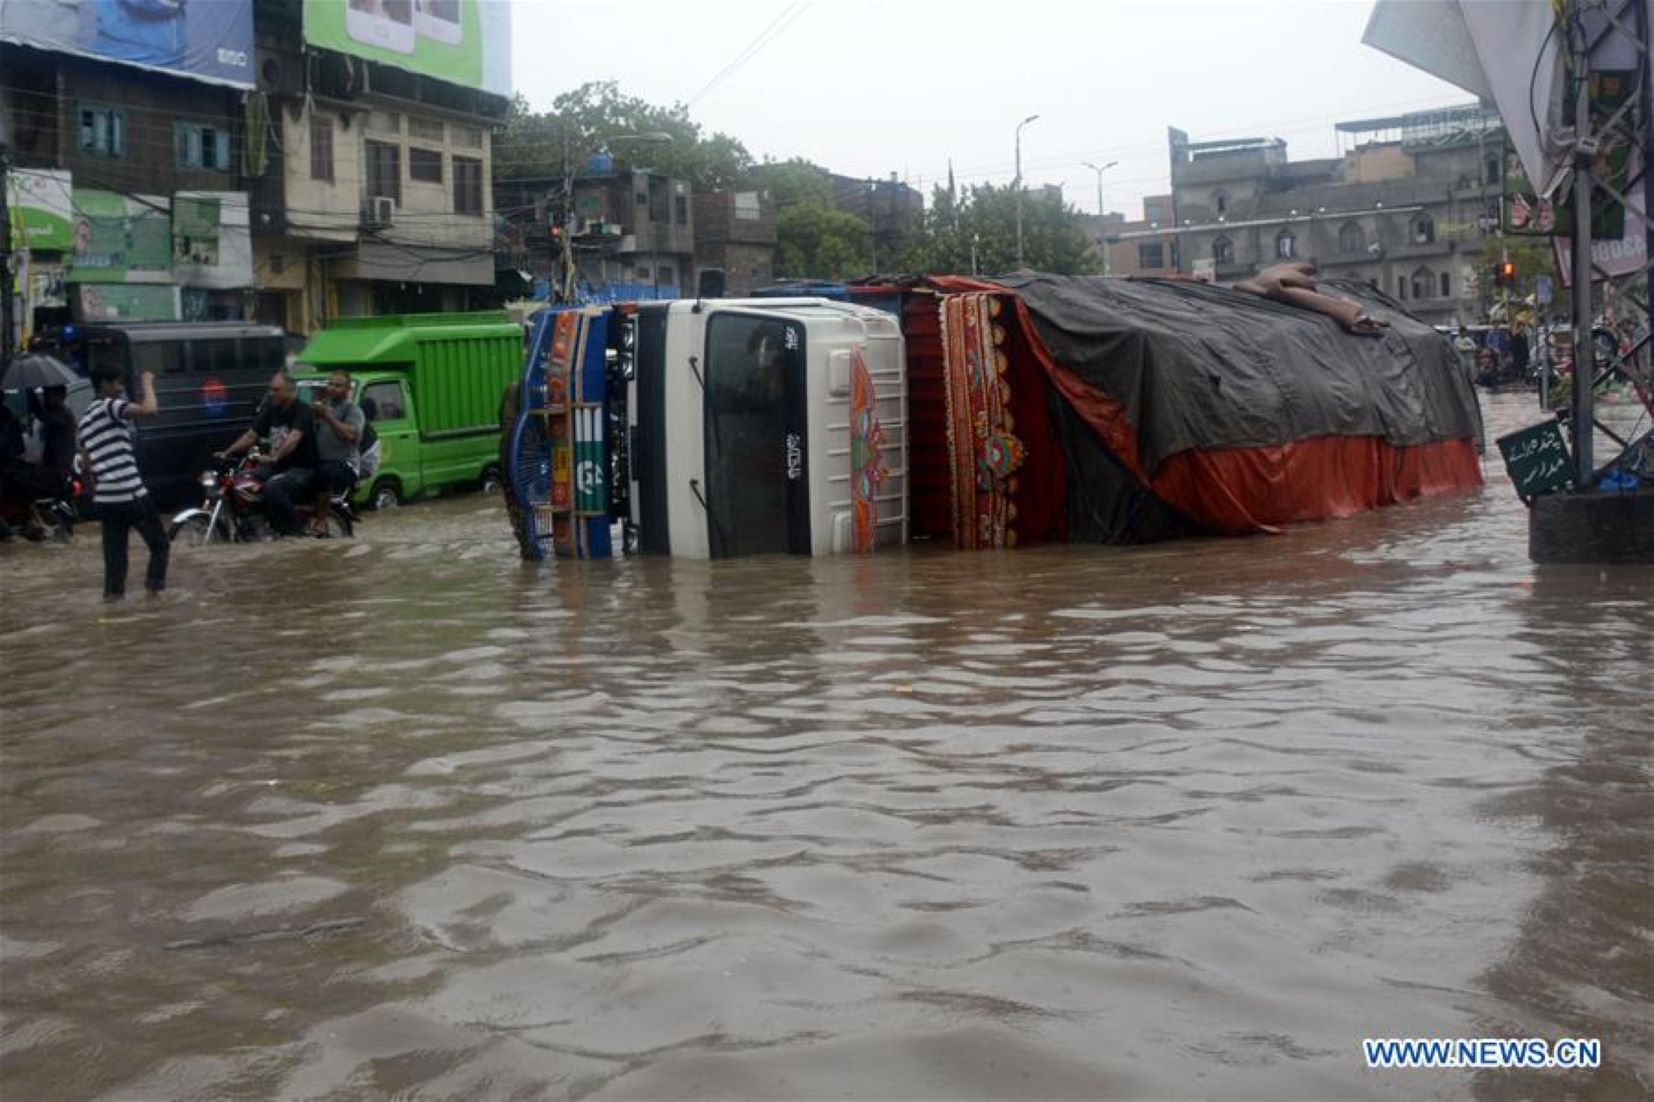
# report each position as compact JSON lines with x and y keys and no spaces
{"x":1585,"y":366}
{"x":1020,"y":125}
{"x":7,"y":326}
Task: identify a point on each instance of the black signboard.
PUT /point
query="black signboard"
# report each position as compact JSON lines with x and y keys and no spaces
{"x":1537,"y":460}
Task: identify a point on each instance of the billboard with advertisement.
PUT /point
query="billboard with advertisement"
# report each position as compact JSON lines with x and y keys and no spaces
{"x":42,"y":215}
{"x":465,"y":42}
{"x":205,"y":39}
{"x":121,"y":238}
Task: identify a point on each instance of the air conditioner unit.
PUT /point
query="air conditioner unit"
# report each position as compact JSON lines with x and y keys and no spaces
{"x":380,"y":210}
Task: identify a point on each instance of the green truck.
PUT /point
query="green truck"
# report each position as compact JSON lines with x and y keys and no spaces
{"x":436,"y":382}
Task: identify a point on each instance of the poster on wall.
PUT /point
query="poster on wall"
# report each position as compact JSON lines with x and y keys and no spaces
{"x":206,"y":39}
{"x":121,"y":238}
{"x":466,"y":42}
{"x":212,"y":240}
{"x":127,"y":302}
{"x":42,"y":215}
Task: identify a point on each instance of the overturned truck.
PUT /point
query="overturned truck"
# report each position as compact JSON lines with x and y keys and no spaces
{"x":989,"y":414}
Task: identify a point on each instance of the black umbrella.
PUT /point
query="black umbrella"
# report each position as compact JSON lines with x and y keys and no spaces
{"x":36,"y":370}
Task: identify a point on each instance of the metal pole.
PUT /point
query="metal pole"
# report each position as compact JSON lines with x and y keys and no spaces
{"x":1020,"y":125}
{"x":1102,"y":227}
{"x":1584,"y":346}
{"x":7,"y":327}
{"x":568,"y":218}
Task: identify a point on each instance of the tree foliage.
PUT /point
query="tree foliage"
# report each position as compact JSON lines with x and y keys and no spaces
{"x":817,"y":241}
{"x":980,"y":224}
{"x":598,"y":115}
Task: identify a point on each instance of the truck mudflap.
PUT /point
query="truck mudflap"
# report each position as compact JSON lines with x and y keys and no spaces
{"x":560,"y":457}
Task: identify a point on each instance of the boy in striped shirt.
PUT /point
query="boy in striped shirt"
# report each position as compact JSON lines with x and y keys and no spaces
{"x":118,"y":492}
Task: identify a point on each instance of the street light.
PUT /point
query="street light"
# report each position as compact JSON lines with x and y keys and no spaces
{"x":1100,"y":227}
{"x":1020,"y":125}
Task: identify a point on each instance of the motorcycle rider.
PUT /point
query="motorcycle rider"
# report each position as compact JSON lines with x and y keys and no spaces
{"x":289,"y":471}
{"x":338,"y":437}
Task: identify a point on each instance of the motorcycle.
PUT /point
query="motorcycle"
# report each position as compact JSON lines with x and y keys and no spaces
{"x":50,"y":516}
{"x":232,"y":509}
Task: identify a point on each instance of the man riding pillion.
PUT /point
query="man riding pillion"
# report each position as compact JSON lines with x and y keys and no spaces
{"x":339,"y":425}
{"x":289,"y":471}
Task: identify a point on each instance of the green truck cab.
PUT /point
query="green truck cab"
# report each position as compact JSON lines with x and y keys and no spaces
{"x":436,"y":381}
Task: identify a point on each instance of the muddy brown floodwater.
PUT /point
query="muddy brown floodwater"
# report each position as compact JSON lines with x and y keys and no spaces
{"x":401,"y":816}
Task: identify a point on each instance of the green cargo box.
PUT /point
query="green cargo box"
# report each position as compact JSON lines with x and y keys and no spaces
{"x":436,"y":381}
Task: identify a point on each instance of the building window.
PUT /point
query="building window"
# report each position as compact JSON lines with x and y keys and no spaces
{"x":468,"y":137}
{"x":1446,"y":287}
{"x":321,"y":148}
{"x":1220,"y":203}
{"x":1490,"y":171}
{"x":1223,"y":251}
{"x":426,"y":130}
{"x":1286,"y":245}
{"x":1351,"y":238}
{"x":384,"y":170}
{"x":467,"y":185}
{"x":1424,"y":230}
{"x":747,"y":206}
{"x":1151,"y":256}
{"x":667,"y":277}
{"x":200,"y":146}
{"x":643,"y":198}
{"x":1424,"y":283}
{"x":641,"y":274}
{"x":103,"y":131}
{"x":424,"y":165}
{"x":1401,"y":287}
{"x":680,"y":209}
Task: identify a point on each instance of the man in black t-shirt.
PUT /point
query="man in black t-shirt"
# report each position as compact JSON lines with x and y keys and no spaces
{"x":289,"y":471}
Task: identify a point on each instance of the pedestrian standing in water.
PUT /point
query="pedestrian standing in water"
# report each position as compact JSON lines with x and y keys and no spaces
{"x":118,"y":494}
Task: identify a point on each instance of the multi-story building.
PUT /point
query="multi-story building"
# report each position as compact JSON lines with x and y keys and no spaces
{"x":891,"y":209}
{"x":735,"y":233}
{"x":316,"y":161}
{"x":375,"y":195}
{"x":124,"y":179}
{"x":634,"y":233}
{"x":1405,"y":208}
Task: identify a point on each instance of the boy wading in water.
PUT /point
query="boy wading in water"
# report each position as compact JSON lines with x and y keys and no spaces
{"x":118,"y":492}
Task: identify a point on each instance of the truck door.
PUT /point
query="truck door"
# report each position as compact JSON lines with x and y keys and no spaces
{"x":757,"y":492}
{"x":399,"y":458}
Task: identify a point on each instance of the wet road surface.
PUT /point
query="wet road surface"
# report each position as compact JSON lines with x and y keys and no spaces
{"x":401,"y":815}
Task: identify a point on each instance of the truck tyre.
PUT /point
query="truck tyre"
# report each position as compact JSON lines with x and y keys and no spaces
{"x":492,"y":480}
{"x":387,"y":494}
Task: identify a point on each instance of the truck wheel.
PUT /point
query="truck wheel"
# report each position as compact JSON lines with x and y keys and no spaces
{"x":387,"y":494}
{"x":492,"y":480}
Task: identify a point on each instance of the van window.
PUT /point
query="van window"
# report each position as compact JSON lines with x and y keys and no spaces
{"x":387,"y":396}
{"x":159,"y":357}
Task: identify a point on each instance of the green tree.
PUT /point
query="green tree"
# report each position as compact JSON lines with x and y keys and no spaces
{"x":980,"y":224}
{"x":790,"y":182}
{"x":817,"y":241}
{"x":579,"y":123}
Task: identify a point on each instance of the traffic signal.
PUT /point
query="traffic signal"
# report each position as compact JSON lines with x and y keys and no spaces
{"x":1505,"y":273}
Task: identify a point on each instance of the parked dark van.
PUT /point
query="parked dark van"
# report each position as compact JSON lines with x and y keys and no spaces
{"x":209,"y":379}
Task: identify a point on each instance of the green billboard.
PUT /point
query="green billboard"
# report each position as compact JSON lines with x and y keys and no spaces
{"x":121,"y":238}
{"x":42,"y":215}
{"x":466,"y":42}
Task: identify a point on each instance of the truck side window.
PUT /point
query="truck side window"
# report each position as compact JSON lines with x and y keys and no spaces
{"x":388,"y":397}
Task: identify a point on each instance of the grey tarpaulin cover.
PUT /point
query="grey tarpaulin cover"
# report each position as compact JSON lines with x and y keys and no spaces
{"x":1198,"y":366}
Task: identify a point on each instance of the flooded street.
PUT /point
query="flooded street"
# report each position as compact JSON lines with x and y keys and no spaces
{"x":400,"y":814}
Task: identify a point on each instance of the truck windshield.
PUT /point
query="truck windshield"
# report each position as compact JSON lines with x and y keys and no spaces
{"x":746,"y":435}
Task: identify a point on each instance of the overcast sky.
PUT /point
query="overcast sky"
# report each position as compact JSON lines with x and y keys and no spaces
{"x":870,"y":88}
